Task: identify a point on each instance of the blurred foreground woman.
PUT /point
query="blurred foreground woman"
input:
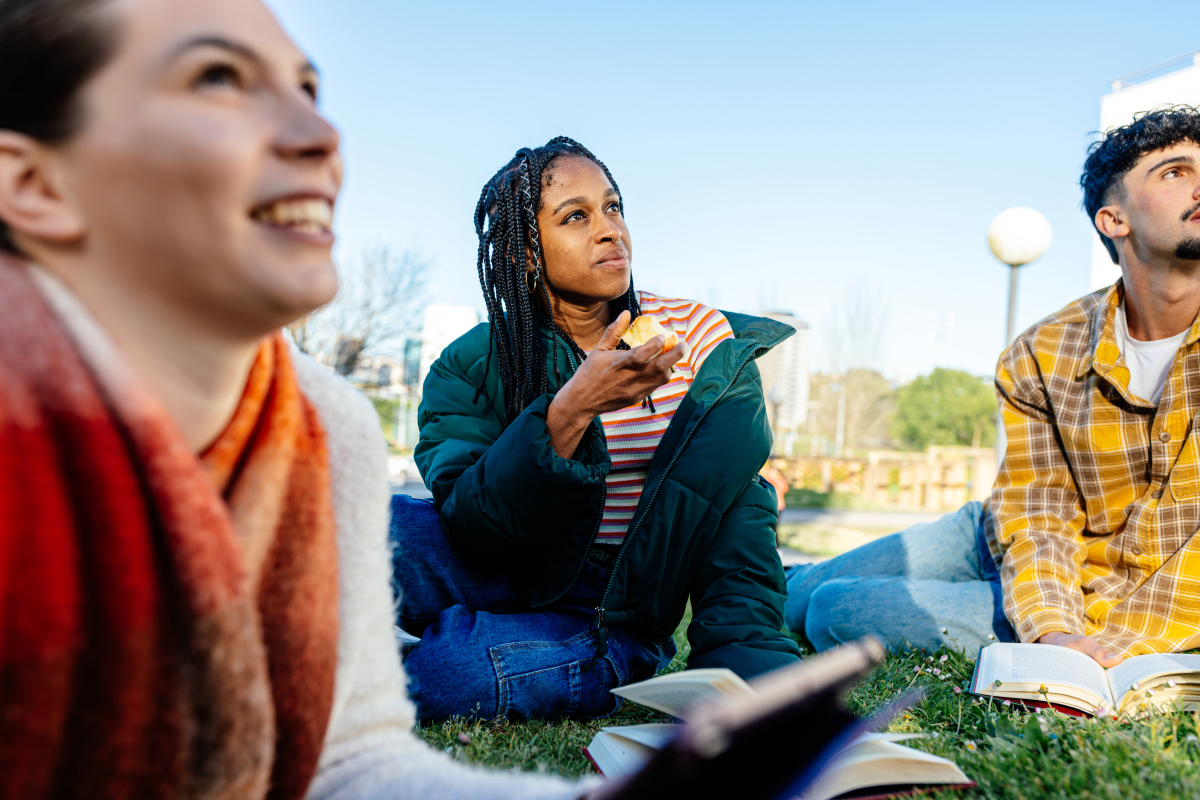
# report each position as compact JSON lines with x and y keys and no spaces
{"x":194,"y":587}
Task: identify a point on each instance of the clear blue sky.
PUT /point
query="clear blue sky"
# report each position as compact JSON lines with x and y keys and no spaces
{"x":770,"y":154}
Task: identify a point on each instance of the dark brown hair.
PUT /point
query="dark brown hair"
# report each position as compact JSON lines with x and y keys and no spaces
{"x":48,"y":50}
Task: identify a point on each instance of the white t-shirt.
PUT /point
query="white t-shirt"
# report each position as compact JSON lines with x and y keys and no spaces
{"x":1149,"y":363}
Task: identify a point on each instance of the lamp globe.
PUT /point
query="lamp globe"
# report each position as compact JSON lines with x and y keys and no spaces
{"x":1019,"y":235}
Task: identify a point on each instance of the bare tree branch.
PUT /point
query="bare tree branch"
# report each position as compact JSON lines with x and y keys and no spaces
{"x":304,"y":333}
{"x":856,"y":331}
{"x":856,"y":338}
{"x":378,"y":302}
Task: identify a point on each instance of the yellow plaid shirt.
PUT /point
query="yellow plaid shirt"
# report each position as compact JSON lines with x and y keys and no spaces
{"x":1098,"y":499}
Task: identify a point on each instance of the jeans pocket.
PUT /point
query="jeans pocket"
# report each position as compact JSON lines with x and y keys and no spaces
{"x":540,"y":680}
{"x":596,"y":699}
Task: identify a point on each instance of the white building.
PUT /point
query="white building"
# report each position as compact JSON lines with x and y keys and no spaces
{"x":378,"y":372}
{"x":785,"y":379}
{"x":443,"y":324}
{"x":1172,"y":82}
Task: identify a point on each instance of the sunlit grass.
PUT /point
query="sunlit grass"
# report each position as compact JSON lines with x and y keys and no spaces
{"x":1009,"y":752}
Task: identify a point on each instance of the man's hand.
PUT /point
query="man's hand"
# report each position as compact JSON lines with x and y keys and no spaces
{"x":1084,"y":644}
{"x":608,"y":380}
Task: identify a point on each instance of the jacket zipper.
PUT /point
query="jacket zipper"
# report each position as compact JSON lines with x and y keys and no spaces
{"x":601,"y":611}
{"x":599,"y":517}
{"x":601,"y":630}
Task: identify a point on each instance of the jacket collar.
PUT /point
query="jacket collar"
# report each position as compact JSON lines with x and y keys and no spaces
{"x":1103,"y":352}
{"x":758,"y":334}
{"x":753,"y":337}
{"x":761,"y":332}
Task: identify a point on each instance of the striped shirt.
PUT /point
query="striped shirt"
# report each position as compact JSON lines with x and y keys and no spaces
{"x":633,"y":433}
{"x":1098,"y":501}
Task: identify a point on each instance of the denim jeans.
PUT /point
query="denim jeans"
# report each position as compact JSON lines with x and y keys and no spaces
{"x":483,"y":655}
{"x":932,"y":585}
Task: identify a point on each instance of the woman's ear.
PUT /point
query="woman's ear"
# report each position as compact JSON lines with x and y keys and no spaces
{"x":32,"y":202}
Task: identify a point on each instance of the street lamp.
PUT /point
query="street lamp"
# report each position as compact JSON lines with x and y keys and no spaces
{"x":1018,"y":236}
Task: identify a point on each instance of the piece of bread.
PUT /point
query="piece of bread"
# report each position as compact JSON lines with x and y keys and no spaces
{"x":645,"y":328}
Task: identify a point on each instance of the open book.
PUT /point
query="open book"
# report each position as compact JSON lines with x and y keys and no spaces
{"x":624,"y":749}
{"x":864,"y":760}
{"x":1075,"y":681}
{"x":872,"y":761}
{"x":675,"y":692}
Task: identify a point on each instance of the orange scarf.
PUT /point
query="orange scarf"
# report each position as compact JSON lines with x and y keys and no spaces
{"x":168,"y":624}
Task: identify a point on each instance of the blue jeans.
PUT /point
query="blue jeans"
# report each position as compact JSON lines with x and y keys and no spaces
{"x":483,"y":654}
{"x":932,"y":585}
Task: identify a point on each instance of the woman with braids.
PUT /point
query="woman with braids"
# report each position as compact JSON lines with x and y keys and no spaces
{"x":586,"y":491}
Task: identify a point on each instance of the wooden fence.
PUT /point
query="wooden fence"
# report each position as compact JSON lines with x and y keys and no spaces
{"x":939,"y":479}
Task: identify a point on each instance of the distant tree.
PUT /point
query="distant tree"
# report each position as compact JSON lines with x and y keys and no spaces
{"x":854,"y":390}
{"x":946,"y":407}
{"x":856,"y":331}
{"x":866,"y":409}
{"x":379,"y":300}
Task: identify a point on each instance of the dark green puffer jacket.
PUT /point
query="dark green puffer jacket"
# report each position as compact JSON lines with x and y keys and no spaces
{"x":703,"y":527}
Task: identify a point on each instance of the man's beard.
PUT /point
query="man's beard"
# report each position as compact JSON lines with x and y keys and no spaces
{"x":1188,"y":250}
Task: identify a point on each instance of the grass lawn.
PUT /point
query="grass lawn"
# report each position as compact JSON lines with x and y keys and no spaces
{"x":1008,"y":752}
{"x":825,"y":539}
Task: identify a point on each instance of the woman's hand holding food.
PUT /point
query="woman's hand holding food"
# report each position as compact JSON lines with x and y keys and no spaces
{"x":608,"y":380}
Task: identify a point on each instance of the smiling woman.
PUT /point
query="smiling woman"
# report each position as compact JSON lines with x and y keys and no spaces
{"x":194,"y":594}
{"x":586,"y":491}
{"x":215,"y":140}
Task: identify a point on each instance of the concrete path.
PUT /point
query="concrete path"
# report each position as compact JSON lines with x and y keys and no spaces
{"x":863,"y":520}
{"x":789,"y":557}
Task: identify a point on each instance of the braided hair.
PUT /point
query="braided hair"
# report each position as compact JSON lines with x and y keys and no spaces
{"x":506,"y":224}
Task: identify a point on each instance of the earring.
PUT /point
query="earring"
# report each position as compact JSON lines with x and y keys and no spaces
{"x":537,"y":276}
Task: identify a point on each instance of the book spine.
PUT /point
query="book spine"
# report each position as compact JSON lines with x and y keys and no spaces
{"x":588,"y":756}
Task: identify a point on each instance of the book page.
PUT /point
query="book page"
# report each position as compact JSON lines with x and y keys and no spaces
{"x":882,"y":763}
{"x":615,"y":755}
{"x":404,"y":637}
{"x":651,"y":734}
{"x":1141,"y":668}
{"x":733,"y":687}
{"x":884,"y":736}
{"x":1044,"y":664}
{"x":673,"y":698}
{"x":675,"y":692}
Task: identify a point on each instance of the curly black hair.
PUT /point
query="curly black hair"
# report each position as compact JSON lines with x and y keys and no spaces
{"x":1112,"y":155}
{"x":509,"y":245}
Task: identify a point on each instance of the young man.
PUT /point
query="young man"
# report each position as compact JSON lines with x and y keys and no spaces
{"x":1093,"y":515}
